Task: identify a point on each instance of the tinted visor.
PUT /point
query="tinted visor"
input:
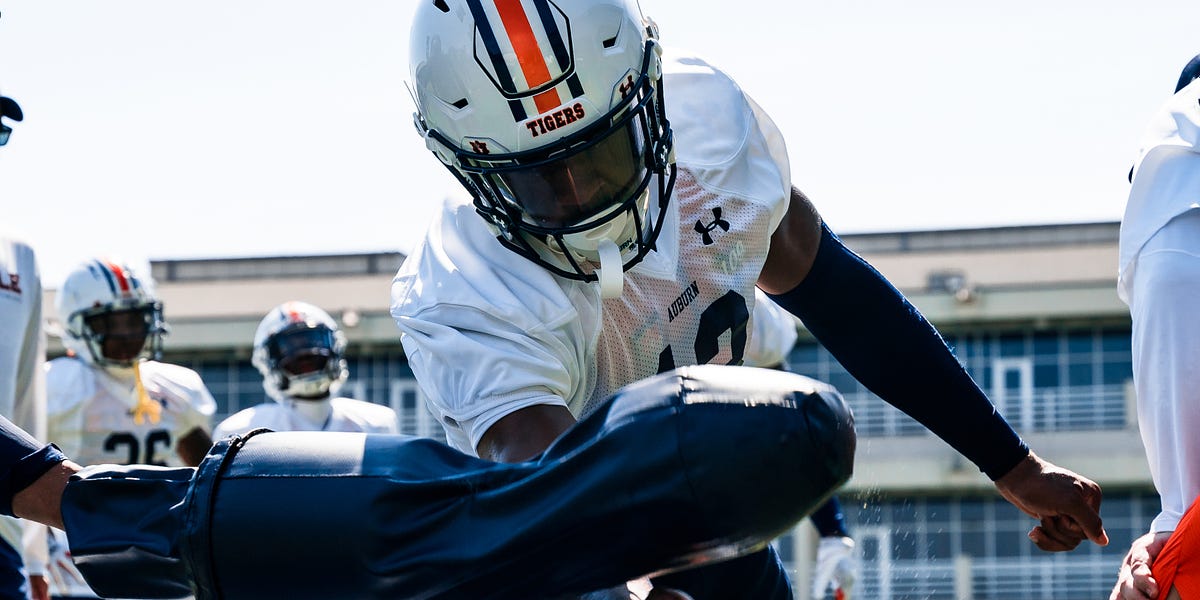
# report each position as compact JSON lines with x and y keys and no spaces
{"x":567,"y":189}
{"x":301,"y":350}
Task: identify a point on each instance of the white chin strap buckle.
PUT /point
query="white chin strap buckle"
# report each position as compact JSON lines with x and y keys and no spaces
{"x":611,"y":272}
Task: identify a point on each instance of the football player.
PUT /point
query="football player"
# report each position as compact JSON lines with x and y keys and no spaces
{"x":109,"y":399}
{"x":300,"y":352}
{"x":1159,"y":278}
{"x":22,"y":389}
{"x":625,"y":202}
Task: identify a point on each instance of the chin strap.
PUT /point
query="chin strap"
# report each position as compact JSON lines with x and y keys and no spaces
{"x":146,"y":408}
{"x":611,"y":272}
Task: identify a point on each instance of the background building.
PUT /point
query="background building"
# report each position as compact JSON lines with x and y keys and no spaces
{"x":1031,"y":312}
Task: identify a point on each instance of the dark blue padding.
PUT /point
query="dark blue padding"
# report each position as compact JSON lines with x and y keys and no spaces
{"x":123,"y":524}
{"x":699,"y":464}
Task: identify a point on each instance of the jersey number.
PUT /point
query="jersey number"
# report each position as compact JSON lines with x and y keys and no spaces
{"x":139,"y":453}
{"x":727,"y":313}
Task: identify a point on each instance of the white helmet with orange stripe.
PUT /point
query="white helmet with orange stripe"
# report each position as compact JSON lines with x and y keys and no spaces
{"x":300,"y":352}
{"x":110,"y":315}
{"x":551,"y":115}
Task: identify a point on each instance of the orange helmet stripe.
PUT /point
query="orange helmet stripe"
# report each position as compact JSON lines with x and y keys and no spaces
{"x":529,"y":55}
{"x":122,"y":277}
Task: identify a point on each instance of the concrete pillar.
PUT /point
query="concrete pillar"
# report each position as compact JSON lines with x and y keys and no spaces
{"x":962,"y":577}
{"x":804,"y":557}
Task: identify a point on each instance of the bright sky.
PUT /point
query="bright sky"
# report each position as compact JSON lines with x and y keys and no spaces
{"x":164,"y":129}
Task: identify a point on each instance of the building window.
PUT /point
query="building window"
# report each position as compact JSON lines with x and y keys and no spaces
{"x":1058,"y":380}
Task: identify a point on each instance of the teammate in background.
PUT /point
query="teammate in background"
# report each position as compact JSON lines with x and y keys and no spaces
{"x":626,"y":204}
{"x":1160,"y":280}
{"x":300,"y":352}
{"x":22,"y":380}
{"x":110,"y":400}
{"x":10,"y":109}
{"x":772,"y":340}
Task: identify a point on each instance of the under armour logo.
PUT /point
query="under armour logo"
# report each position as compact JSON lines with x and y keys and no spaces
{"x":626,"y":86}
{"x":479,"y":147}
{"x":706,"y":230}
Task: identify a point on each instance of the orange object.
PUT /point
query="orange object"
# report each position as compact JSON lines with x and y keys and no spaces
{"x":146,"y":409}
{"x":1178,"y":564}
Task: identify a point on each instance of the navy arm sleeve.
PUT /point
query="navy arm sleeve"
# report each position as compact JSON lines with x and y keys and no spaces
{"x":829,"y":519}
{"x":22,"y":460}
{"x":888,"y":346}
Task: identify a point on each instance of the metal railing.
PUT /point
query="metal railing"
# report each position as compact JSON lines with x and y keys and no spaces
{"x":1083,"y":408}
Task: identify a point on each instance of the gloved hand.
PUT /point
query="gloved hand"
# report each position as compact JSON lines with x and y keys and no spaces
{"x":837,"y":567}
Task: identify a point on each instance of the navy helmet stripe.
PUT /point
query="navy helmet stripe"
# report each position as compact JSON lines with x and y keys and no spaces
{"x":574,"y":85}
{"x":555,"y":36}
{"x":492,"y":45}
{"x":518,"y":110}
{"x":112,"y":284}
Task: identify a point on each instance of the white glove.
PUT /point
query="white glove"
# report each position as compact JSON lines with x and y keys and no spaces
{"x":837,"y":567}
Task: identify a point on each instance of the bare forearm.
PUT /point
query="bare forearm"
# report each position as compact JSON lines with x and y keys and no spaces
{"x":42,"y":500}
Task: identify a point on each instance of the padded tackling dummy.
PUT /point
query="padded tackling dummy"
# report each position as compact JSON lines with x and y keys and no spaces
{"x":695,"y":465}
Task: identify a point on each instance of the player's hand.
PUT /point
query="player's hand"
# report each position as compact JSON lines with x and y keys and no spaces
{"x":1134,"y":581}
{"x":642,"y":589}
{"x":39,"y":588}
{"x":1066,"y":503}
{"x":836,"y":566}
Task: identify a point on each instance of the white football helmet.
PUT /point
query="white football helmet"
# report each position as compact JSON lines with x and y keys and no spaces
{"x":550,"y":113}
{"x":110,"y":315}
{"x":300,"y":352}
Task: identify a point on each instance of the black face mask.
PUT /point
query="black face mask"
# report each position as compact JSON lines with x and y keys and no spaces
{"x":301,"y":350}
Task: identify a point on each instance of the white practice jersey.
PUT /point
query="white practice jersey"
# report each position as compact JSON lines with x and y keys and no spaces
{"x":488,"y":332}
{"x":90,"y":418}
{"x":347,"y":414}
{"x":22,"y":351}
{"x":774,"y":335}
{"x":1165,"y":180}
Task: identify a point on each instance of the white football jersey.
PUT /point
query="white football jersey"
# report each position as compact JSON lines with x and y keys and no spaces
{"x":22,"y":351}
{"x":90,"y":417}
{"x":488,"y":332}
{"x":1166,"y":177}
{"x":774,"y":335}
{"x":347,"y":414}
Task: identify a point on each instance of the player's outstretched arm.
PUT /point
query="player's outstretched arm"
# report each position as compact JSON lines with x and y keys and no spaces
{"x":24,"y":465}
{"x":1066,"y":503}
{"x":41,"y":501}
{"x":887,"y":345}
